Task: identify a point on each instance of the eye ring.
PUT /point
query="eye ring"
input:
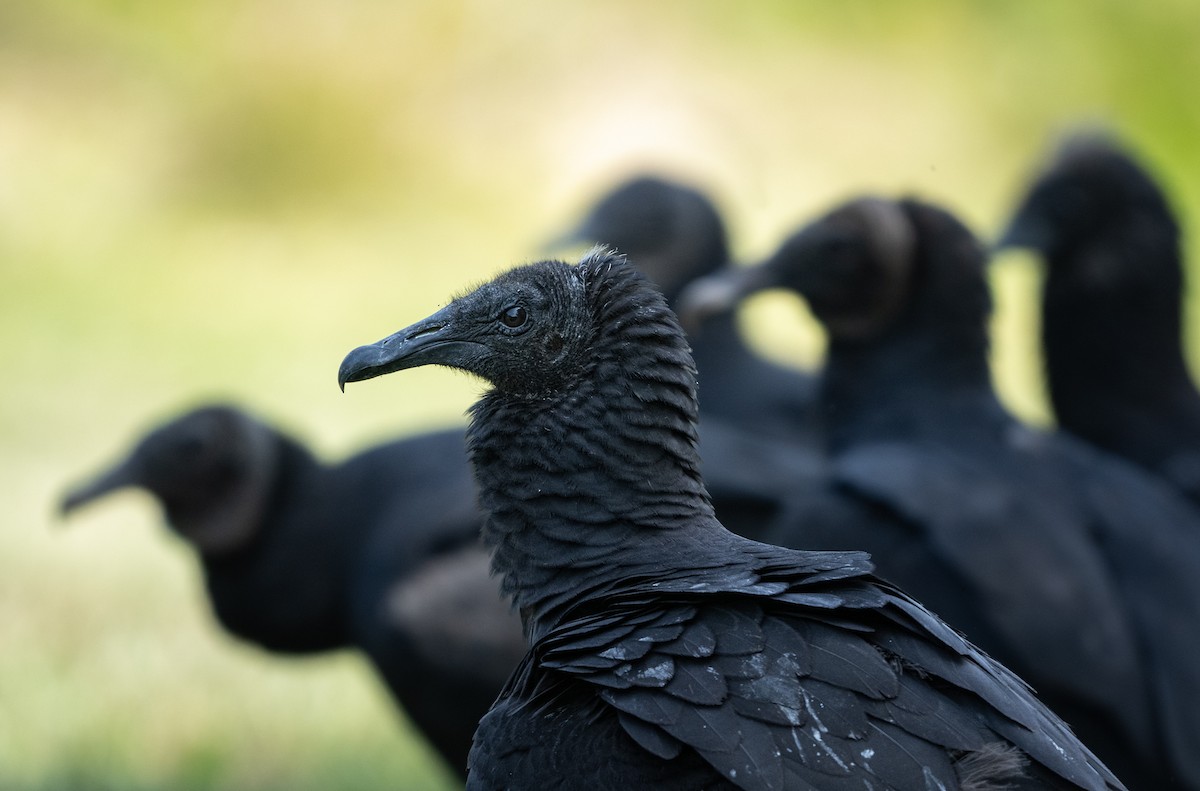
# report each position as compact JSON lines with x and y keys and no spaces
{"x":514,"y":316}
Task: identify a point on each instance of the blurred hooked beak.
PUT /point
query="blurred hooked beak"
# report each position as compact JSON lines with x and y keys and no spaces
{"x":1023,"y":232}
{"x":118,"y":477}
{"x":431,"y":341}
{"x":719,"y":293}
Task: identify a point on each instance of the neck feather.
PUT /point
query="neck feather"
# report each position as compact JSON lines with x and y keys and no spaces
{"x":571,"y":481}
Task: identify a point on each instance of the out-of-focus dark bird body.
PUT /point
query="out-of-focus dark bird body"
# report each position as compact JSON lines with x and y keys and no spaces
{"x":674,"y":234}
{"x":1051,"y":556}
{"x":666,"y":651}
{"x":1112,"y":325}
{"x":300,"y":557}
{"x":379,"y":552}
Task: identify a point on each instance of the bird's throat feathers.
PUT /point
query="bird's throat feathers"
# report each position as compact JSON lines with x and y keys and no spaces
{"x":570,"y":477}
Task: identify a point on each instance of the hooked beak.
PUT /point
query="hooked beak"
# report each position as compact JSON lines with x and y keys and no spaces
{"x":431,"y":341}
{"x":720,"y":292}
{"x":118,"y":477}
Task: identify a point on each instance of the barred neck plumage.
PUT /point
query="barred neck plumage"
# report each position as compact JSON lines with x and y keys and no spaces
{"x":573,"y":478}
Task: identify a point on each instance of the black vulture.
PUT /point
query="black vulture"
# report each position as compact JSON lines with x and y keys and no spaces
{"x":674,"y":234}
{"x":1074,"y":568}
{"x":665,"y":651}
{"x":379,"y":552}
{"x":1112,"y":326}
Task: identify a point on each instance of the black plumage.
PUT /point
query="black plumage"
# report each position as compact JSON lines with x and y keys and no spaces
{"x":379,"y":553}
{"x":1070,"y":566}
{"x":666,"y":651}
{"x":674,"y":234}
{"x":1112,"y":324}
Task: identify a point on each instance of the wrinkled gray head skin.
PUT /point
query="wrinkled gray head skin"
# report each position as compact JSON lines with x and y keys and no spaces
{"x":1090,"y":182}
{"x":524,"y":332}
{"x":210,"y":469}
{"x":668,"y":230}
{"x":853,"y":266}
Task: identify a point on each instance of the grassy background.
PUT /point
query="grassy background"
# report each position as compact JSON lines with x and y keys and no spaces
{"x":220,"y":199}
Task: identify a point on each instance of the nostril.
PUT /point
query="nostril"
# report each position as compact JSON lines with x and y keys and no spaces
{"x":426,"y":330}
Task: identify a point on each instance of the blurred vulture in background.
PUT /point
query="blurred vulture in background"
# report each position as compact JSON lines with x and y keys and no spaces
{"x":1074,"y":569}
{"x":379,"y":553}
{"x":1112,"y":324}
{"x":674,"y":235}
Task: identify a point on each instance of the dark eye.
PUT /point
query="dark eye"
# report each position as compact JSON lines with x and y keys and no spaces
{"x":513,"y":316}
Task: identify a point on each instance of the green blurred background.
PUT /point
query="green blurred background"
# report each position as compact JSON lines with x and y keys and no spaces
{"x":220,"y":199}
